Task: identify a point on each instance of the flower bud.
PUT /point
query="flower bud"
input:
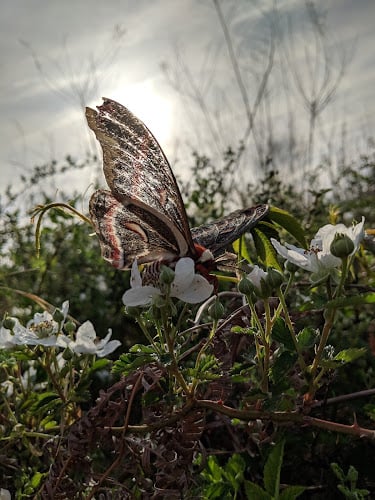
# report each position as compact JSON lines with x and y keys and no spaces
{"x":166,"y":275}
{"x":58,"y":316}
{"x":70,"y":327}
{"x":274,"y":278}
{"x":216,"y":310}
{"x":9,"y":323}
{"x":342,"y":246}
{"x":246,"y":287}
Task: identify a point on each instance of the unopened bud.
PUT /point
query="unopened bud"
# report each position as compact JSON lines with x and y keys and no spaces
{"x":166,"y":275}
{"x":342,"y":246}
{"x":58,"y":316}
{"x":9,"y":323}
{"x":274,"y":278}
{"x":216,"y":310}
{"x":246,"y":287}
{"x":70,"y":327}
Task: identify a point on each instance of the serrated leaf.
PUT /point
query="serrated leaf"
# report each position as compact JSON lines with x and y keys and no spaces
{"x":284,"y":362}
{"x":343,"y":357}
{"x":292,"y":492}
{"x":281,"y":333}
{"x":272,"y":469}
{"x":265,"y":249}
{"x":253,"y":491}
{"x":351,"y":354}
{"x":307,"y":338}
{"x":130,"y":362}
{"x":289,"y":223}
{"x":140,"y":348}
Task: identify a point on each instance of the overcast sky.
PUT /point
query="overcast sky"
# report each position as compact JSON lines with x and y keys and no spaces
{"x":59,"y":55}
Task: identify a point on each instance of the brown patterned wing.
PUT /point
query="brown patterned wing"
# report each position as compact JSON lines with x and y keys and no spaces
{"x":217,"y":235}
{"x":137,"y":171}
{"x":127,"y":232}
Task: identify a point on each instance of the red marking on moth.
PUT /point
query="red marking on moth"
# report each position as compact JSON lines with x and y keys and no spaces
{"x":206,"y":267}
{"x":115,"y":242}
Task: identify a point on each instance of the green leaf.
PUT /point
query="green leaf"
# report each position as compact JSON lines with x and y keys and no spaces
{"x":356,"y":300}
{"x":253,"y":491}
{"x":337,"y":470}
{"x":234,"y":470}
{"x":284,"y":362}
{"x":214,"y":468}
{"x":240,"y":247}
{"x":307,"y":338}
{"x":140,"y":348}
{"x":36,"y":480}
{"x":289,"y":223}
{"x":351,"y":354}
{"x":129,"y":362}
{"x":291,"y":492}
{"x":343,"y":357}
{"x":265,"y":249}
{"x":281,"y":333}
{"x":272,"y":469}
{"x":45,"y":401}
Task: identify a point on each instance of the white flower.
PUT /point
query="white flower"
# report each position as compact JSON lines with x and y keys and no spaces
{"x":5,"y":494}
{"x":318,"y":259}
{"x":42,"y":329}
{"x":87,"y":343}
{"x":7,"y":338}
{"x":256,"y":276}
{"x":186,"y":286}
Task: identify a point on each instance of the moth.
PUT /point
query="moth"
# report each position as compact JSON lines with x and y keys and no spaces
{"x":142,"y":215}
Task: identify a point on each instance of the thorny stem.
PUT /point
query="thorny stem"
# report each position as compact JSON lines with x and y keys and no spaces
{"x":170,"y":335}
{"x":266,"y":341}
{"x":289,"y":324}
{"x":248,"y":415}
{"x":201,"y":352}
{"x":122,"y":440}
{"x":327,"y":328}
{"x":261,"y":366}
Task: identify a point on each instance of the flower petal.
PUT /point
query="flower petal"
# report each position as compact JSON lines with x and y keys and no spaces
{"x":184,"y":274}
{"x":140,"y":296}
{"x":108,"y":348}
{"x":198,"y":290}
{"x":135,"y":277}
{"x":297,"y":256}
{"x":86,"y":332}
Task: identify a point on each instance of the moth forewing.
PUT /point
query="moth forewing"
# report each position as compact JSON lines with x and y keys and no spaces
{"x":136,"y":169}
{"x":220,"y":233}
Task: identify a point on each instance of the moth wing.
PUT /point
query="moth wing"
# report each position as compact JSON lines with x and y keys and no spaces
{"x":127,"y":232}
{"x":220,"y":233}
{"x":136,"y":169}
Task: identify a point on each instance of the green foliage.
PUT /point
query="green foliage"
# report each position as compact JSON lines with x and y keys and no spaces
{"x":229,"y":480}
{"x":348,"y":483}
{"x":226,"y":383}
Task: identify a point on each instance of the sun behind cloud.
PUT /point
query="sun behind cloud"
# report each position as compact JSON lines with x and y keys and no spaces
{"x":154,"y":110}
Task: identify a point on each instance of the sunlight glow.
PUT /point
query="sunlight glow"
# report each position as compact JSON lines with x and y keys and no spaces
{"x":155,"y":111}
